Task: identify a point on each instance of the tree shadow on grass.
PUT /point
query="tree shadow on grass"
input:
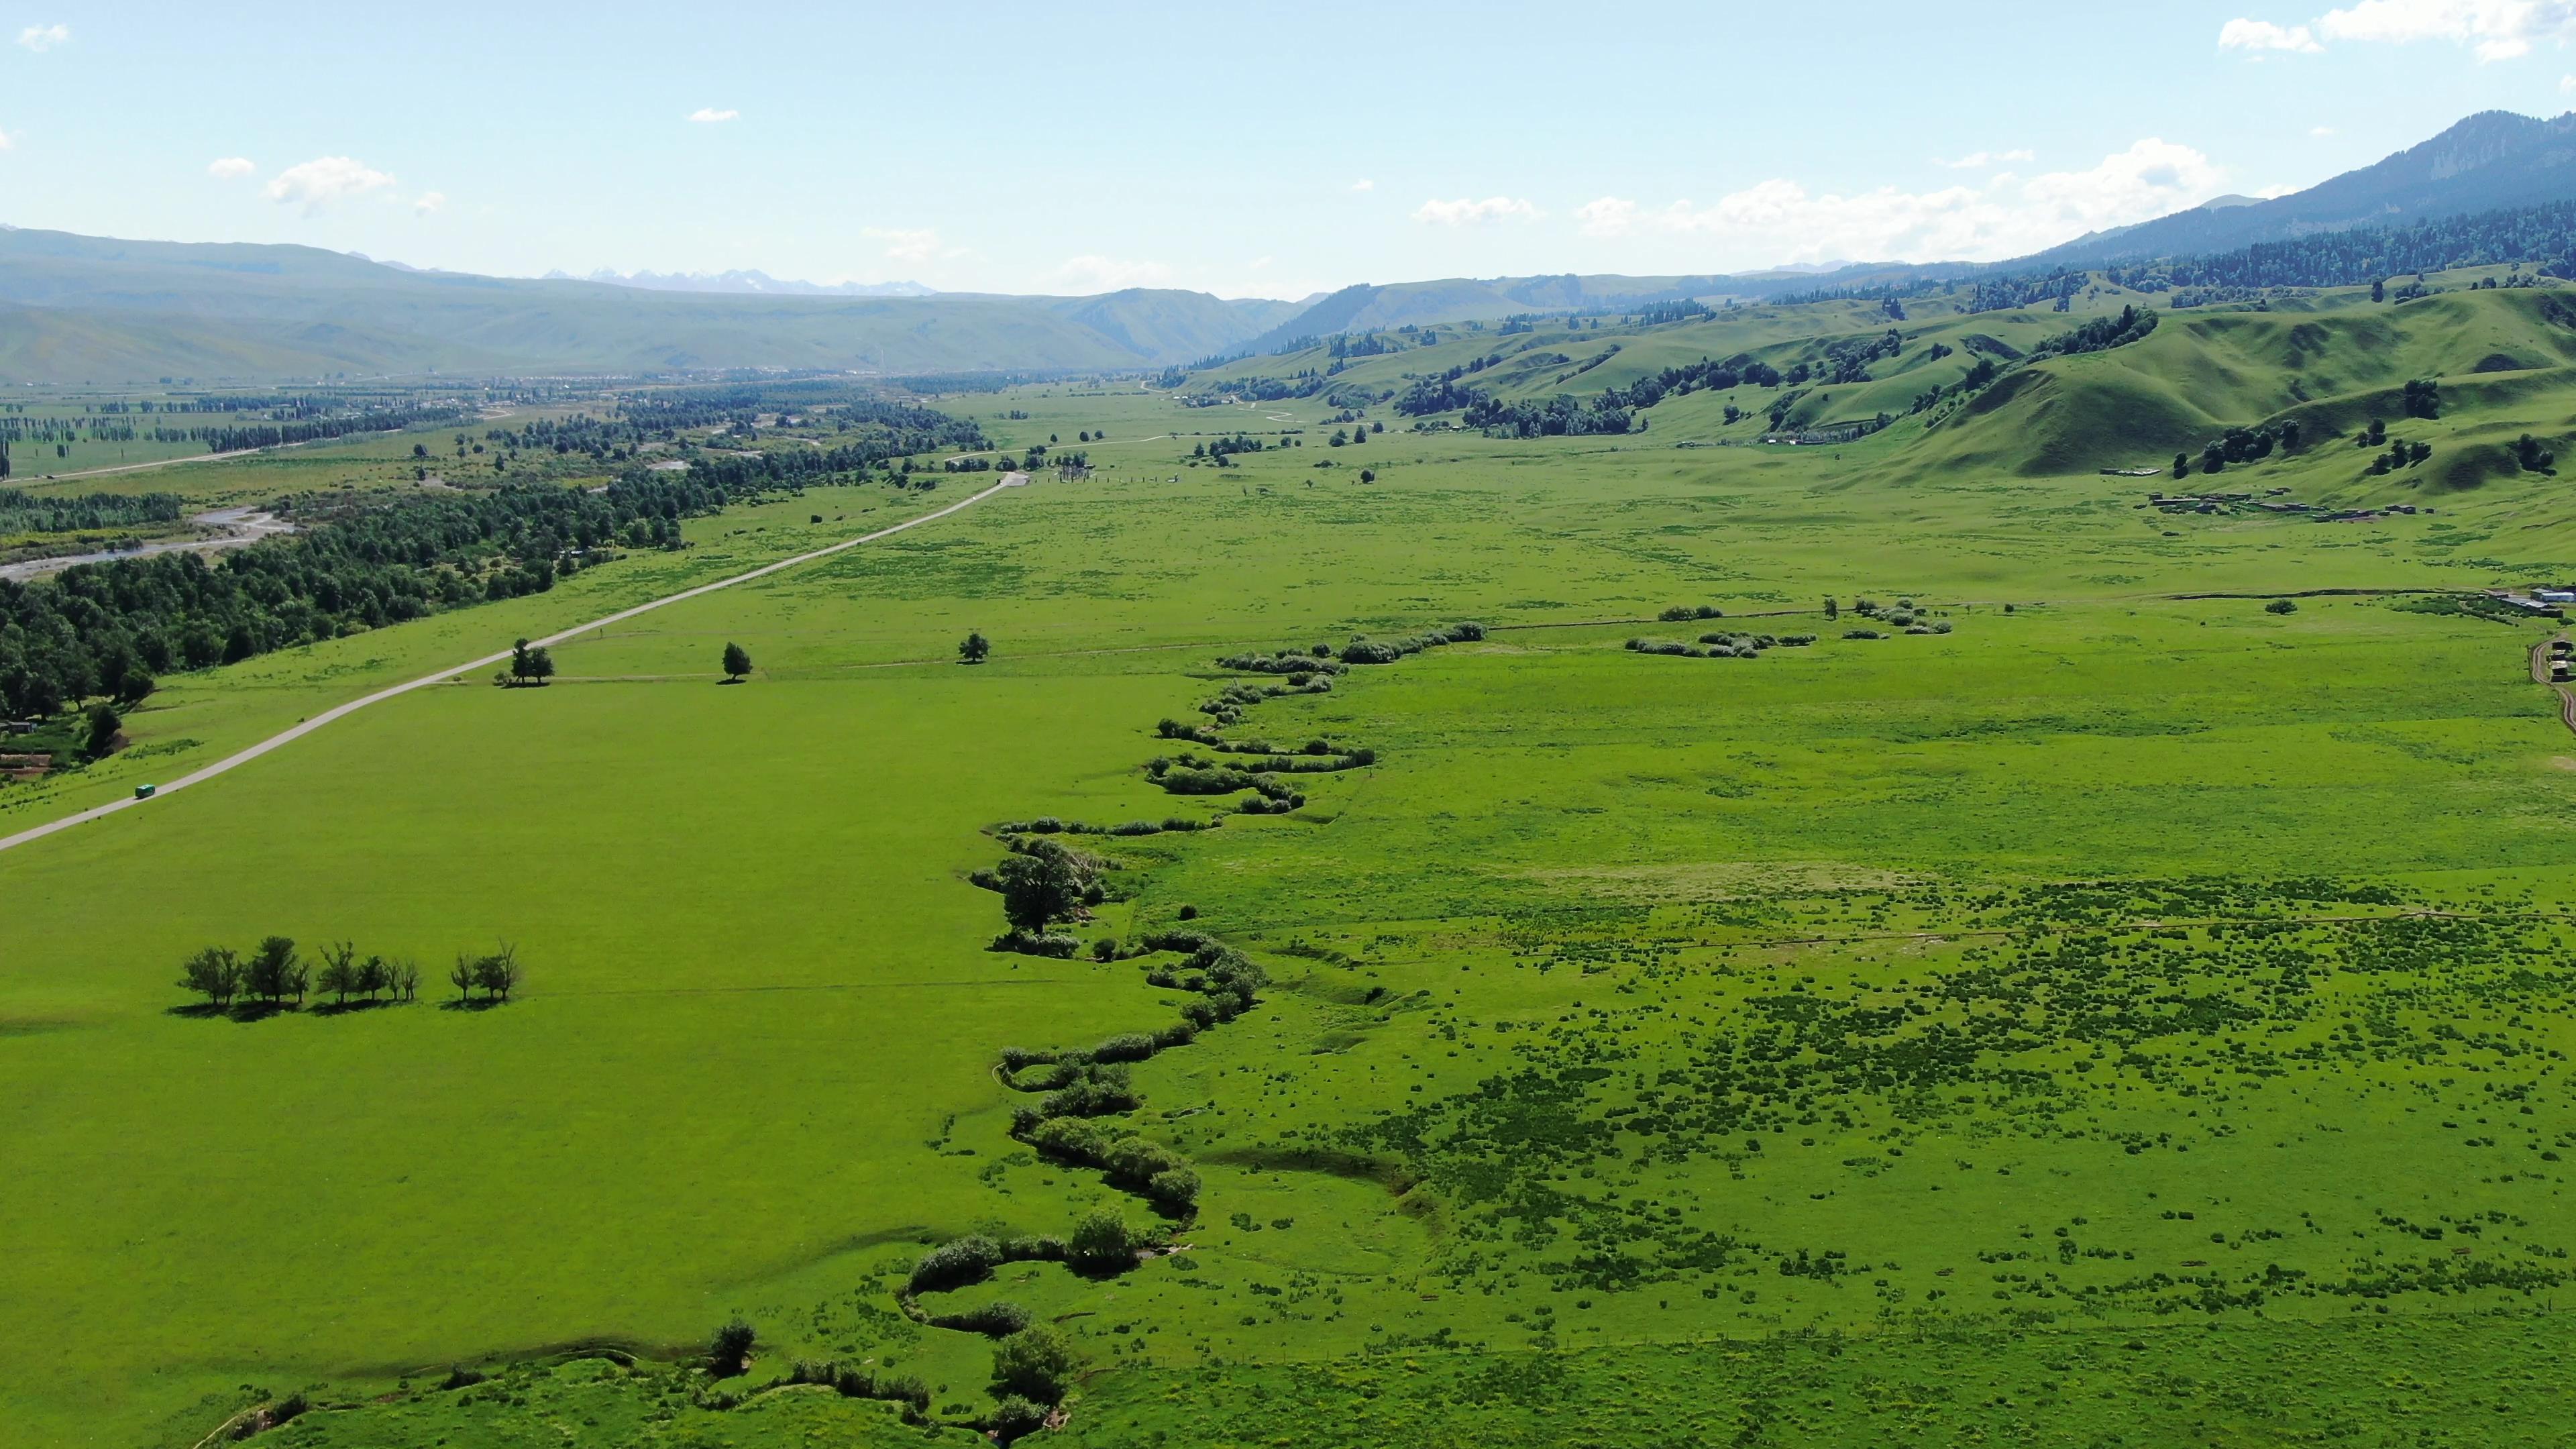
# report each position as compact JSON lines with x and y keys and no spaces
{"x":239,"y":1011}
{"x":473,"y":1003}
{"x":343,"y":1008}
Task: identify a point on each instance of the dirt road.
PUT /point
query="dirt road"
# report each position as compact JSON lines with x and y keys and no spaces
{"x":288,"y":736}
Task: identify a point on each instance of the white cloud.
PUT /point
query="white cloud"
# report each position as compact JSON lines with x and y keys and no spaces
{"x":2321,"y":132}
{"x":1465,"y":212}
{"x":325,"y":179}
{"x":6,"y":141}
{"x":42,"y":38}
{"x":905,"y":246}
{"x":2494,"y":29}
{"x":2566,"y":83}
{"x":710,"y":116}
{"x":1111,"y":274}
{"x":2264,"y":35}
{"x":1363,"y":184}
{"x":1975,"y":159}
{"x":230,"y":168}
{"x":429,"y":201}
{"x":1258,"y":263}
{"x":1781,"y":221}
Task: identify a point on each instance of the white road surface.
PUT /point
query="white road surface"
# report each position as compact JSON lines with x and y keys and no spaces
{"x":289,"y":736}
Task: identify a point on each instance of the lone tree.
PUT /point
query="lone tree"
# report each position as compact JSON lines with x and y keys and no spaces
{"x":214,"y":973}
{"x":737,"y":663}
{"x":530,"y":666}
{"x":729,"y":1351}
{"x":1040,"y":888}
{"x":974,"y":649}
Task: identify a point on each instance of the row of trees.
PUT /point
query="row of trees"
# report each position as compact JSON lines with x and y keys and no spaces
{"x":357,"y":563}
{"x":274,"y":973}
{"x":24,"y":512}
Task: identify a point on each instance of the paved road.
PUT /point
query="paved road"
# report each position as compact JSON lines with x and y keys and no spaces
{"x":288,"y":736}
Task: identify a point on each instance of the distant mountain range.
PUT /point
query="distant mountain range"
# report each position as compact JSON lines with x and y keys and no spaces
{"x":89,"y":309}
{"x":2493,"y":159}
{"x":752,"y":283}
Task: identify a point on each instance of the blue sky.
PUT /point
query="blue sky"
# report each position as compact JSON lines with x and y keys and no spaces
{"x":1247,"y":149}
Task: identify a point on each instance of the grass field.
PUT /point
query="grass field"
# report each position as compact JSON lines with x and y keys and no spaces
{"x":2130,"y":1016}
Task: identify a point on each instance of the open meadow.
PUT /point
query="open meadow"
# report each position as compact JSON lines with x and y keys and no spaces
{"x":1899,"y":939}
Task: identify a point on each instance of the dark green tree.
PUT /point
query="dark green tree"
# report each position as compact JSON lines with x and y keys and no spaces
{"x":339,"y":973}
{"x":729,"y":1350}
{"x":737,"y":662}
{"x":275,"y":972}
{"x":103,"y":725}
{"x":974,"y":649}
{"x":214,"y":973}
{"x":1040,"y":888}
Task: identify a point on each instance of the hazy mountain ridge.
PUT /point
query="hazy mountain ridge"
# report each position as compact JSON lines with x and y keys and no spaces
{"x":740,"y":283}
{"x":2490,"y":160}
{"x":100,"y":308}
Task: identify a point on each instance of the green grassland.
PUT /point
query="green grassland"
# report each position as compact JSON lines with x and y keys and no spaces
{"x":2131,"y":1016}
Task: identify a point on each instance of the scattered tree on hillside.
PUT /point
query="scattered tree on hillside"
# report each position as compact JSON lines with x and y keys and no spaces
{"x":737,"y":662}
{"x":2423,"y":398}
{"x":974,"y":649}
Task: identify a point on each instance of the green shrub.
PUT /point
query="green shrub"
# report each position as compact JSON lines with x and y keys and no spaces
{"x":1101,"y":1243}
{"x":1035,"y":1363}
{"x":729,"y":1351}
{"x":2281,"y":606}
{"x":993,"y":1320}
{"x":969,"y":1259}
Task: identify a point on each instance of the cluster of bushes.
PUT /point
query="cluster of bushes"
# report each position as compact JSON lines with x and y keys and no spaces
{"x":1292,"y":662}
{"x":1191,"y":776}
{"x":1230,"y":703}
{"x":1683,"y":613}
{"x":1134,"y":1164}
{"x":2528,"y":455}
{"x":1050,"y":825}
{"x":273,"y":971}
{"x":1276,"y":758}
{"x":2240,"y":445}
{"x":2401,"y":455}
{"x":1225,"y":978}
{"x":1387,"y":651}
{"x":1722,"y":646}
{"x":852,"y":1381}
{"x":2101,"y":334}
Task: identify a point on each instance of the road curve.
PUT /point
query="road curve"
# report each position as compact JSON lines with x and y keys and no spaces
{"x":288,"y":736}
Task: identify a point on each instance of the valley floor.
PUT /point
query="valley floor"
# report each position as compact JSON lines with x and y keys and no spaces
{"x":2118,"y":1017}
